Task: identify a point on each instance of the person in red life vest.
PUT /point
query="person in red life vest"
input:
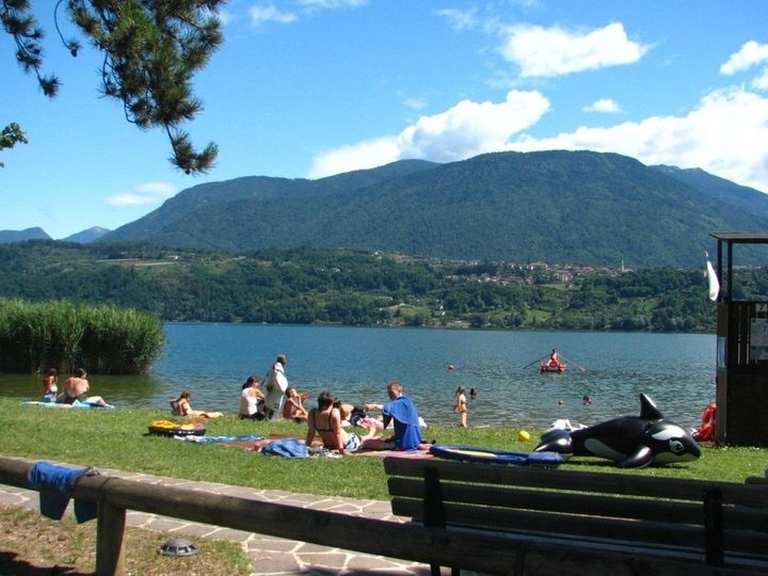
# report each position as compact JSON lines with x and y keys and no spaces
{"x":554,"y":359}
{"x":706,"y":432}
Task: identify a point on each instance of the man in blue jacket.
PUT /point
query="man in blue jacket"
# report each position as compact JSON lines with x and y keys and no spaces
{"x":403,"y":411}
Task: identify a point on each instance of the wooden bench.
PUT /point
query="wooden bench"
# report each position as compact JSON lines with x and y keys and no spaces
{"x":582,"y":523}
{"x":757,"y":481}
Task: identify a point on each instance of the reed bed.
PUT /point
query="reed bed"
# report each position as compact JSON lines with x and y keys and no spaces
{"x":64,"y":335}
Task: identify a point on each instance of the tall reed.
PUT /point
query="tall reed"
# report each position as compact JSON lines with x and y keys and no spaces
{"x":102,"y":339}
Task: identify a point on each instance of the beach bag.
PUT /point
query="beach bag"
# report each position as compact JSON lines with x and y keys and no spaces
{"x":261,"y":409}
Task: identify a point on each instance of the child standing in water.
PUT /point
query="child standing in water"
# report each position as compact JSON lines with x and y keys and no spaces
{"x":460,"y":406}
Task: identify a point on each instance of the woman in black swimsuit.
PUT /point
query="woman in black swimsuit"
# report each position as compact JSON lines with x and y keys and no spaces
{"x":325,"y":420}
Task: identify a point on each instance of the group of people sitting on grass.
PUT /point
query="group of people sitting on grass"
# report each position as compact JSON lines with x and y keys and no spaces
{"x":331,"y":420}
{"x":74,"y":389}
{"x":272,"y":398}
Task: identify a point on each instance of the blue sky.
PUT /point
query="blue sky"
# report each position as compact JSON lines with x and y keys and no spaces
{"x":308,"y":88}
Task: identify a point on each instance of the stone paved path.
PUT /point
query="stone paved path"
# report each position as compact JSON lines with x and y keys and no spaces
{"x":269,"y":555}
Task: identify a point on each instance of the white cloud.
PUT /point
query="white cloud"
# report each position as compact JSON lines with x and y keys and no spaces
{"x":415,"y":103}
{"x":751,"y":53}
{"x":332,"y":4}
{"x":147,"y":193}
{"x":725,"y":135}
{"x":262,"y":13}
{"x":761,"y":82}
{"x":460,"y":19}
{"x":557,"y":51}
{"x":157,"y":188}
{"x":366,"y":154}
{"x":470,"y":128}
{"x":467,"y":129}
{"x":606,"y":105}
{"x":527,"y":3}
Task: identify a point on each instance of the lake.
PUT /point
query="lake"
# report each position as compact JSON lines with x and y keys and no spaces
{"x":613,"y":368}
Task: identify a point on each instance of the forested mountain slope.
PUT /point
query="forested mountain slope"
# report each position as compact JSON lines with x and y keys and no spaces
{"x":554,"y":206}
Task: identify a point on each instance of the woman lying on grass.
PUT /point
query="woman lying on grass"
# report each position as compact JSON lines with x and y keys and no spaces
{"x":182,"y":407}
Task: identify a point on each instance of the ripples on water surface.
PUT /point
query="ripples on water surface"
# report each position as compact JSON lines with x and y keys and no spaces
{"x":213,"y":360}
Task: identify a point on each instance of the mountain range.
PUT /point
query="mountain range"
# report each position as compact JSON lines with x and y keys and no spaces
{"x":87,"y":236}
{"x":554,"y":206}
{"x":9,"y":236}
{"x":83,"y":237}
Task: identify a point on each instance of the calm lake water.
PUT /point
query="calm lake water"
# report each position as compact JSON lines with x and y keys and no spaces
{"x":213,"y":360}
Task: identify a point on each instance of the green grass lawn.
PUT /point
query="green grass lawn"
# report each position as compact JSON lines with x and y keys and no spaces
{"x":118,"y":439}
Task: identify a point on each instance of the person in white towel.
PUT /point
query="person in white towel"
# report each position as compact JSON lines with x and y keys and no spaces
{"x":276,"y":384}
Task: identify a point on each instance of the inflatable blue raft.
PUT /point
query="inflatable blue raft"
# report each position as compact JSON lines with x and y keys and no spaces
{"x":487,"y":455}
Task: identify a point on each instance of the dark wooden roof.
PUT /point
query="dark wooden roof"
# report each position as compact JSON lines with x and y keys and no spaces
{"x":742,"y":237}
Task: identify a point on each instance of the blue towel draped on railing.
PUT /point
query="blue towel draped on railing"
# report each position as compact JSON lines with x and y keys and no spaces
{"x":55,"y":484}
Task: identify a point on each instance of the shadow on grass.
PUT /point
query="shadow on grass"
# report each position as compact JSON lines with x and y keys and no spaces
{"x":11,"y":566}
{"x":610,"y":464}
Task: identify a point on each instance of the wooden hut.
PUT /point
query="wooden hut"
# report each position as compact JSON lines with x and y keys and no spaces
{"x":742,"y":353}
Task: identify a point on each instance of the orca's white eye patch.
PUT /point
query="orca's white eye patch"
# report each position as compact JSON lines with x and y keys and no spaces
{"x":676,"y":446}
{"x":669,"y":431}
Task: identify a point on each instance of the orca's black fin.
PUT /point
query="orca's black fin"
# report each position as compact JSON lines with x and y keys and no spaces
{"x":648,"y":410}
{"x":555,"y":441}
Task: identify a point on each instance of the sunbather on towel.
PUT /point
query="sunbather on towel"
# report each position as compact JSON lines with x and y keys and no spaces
{"x":50,"y":385}
{"x":76,"y":388}
{"x":182,"y":407}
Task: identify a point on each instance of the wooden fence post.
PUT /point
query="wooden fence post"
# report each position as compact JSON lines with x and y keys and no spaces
{"x":434,"y":513}
{"x":110,"y":549}
{"x":713,"y":526}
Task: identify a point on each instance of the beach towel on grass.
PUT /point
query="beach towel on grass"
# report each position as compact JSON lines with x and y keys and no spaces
{"x":219,"y":439}
{"x":287,"y":448}
{"x":55,"y":484}
{"x":75,"y":404}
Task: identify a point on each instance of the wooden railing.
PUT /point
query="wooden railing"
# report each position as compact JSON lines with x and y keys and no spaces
{"x":407,"y":541}
{"x":482,"y":551}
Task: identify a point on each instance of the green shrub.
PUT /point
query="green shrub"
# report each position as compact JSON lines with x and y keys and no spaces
{"x":101,"y":339}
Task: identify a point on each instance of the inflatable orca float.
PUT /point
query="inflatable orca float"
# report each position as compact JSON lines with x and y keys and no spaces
{"x":630,"y":441}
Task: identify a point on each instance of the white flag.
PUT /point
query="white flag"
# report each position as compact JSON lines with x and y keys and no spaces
{"x":714,"y":283}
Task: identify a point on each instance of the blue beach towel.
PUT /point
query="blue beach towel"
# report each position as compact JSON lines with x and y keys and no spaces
{"x":55,"y":484}
{"x":75,"y":404}
{"x":220,"y":439}
{"x":287,"y":448}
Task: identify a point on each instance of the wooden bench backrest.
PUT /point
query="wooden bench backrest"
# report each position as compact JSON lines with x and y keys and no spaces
{"x":642,"y":509}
